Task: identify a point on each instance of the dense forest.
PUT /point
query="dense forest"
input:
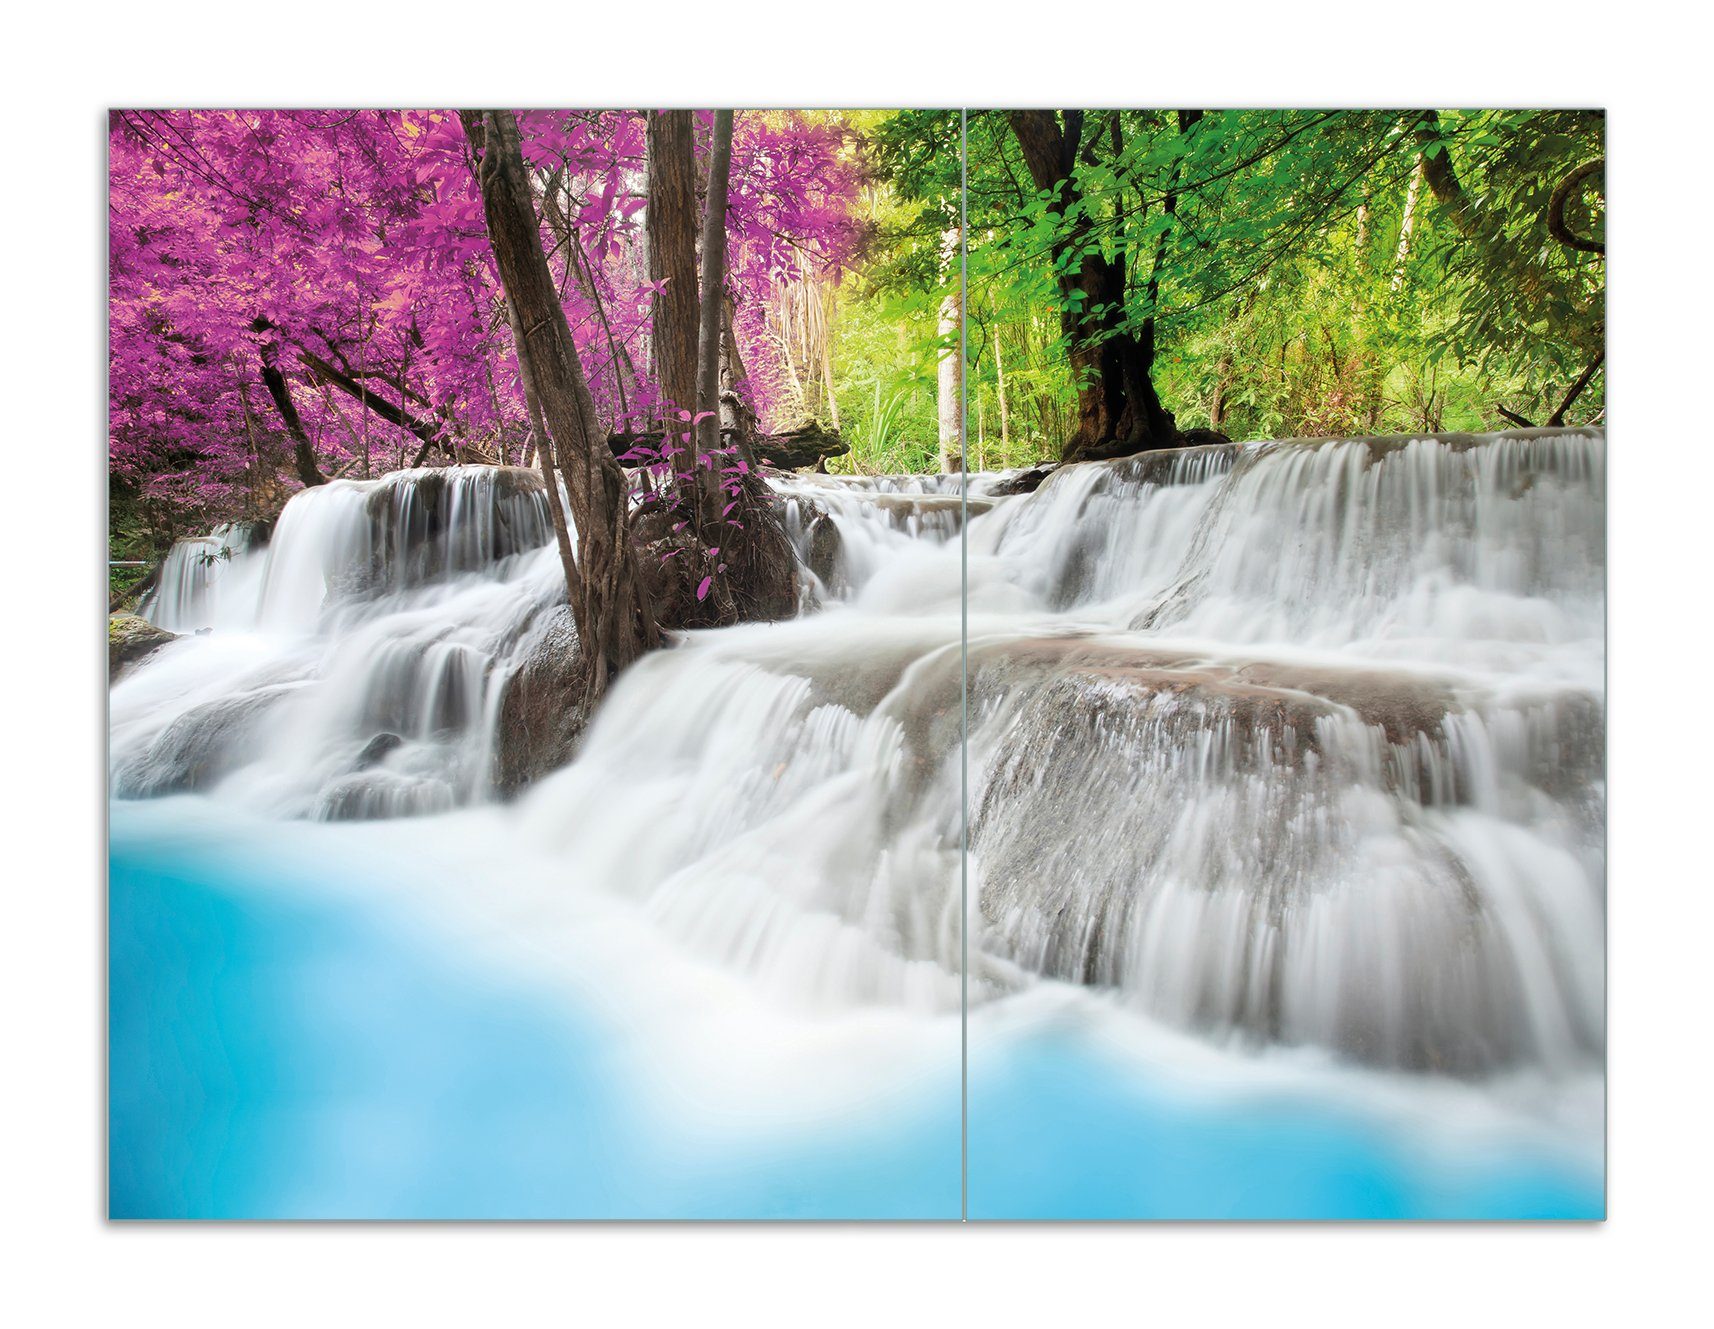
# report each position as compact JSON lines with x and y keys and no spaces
{"x":1135,"y":275}
{"x":304,"y":295}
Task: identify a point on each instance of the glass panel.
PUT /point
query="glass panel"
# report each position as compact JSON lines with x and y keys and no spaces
{"x":1285,"y":758}
{"x":433,"y":896}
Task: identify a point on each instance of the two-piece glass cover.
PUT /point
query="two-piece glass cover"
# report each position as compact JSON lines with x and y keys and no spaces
{"x":979,"y":664}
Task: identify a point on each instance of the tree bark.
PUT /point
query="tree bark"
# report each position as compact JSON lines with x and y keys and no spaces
{"x":1407,"y":221}
{"x":1119,"y":411}
{"x":545,"y":460}
{"x":672,"y":255}
{"x":280,"y":393}
{"x":756,"y":572}
{"x":613,"y":619}
{"x":707,"y":429}
{"x":737,"y":416}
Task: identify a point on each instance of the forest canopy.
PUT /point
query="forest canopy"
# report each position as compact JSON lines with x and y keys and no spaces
{"x":303,"y":295}
{"x":1279,"y":273}
{"x":299,"y":295}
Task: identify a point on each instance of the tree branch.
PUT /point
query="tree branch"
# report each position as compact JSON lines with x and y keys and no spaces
{"x":1563,"y":193}
{"x":431,"y":434}
{"x":1558,"y":417}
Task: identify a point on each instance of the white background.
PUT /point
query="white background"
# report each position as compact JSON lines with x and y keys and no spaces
{"x":64,"y":1265}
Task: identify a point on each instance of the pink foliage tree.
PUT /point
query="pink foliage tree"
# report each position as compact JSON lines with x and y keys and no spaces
{"x":323,"y":278}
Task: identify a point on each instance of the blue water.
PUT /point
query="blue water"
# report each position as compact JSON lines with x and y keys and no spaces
{"x":281,"y":1055}
{"x":1057,"y":1131}
{"x":279,"y":1052}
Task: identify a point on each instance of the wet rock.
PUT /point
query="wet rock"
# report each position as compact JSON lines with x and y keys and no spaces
{"x":825,"y":548}
{"x":1090,"y":678}
{"x":130,"y":641}
{"x":376,"y":749}
{"x":381,"y":795}
{"x":543,"y":710}
{"x":1229,"y":843}
{"x":200,"y":748}
{"x":1024,"y":482}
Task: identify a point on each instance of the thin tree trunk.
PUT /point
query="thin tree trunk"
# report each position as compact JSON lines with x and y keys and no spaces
{"x":251,"y":450}
{"x":1222,"y":384}
{"x":743,"y":532}
{"x":1558,"y":417}
{"x":737,"y":417}
{"x":1000,"y":386}
{"x":544,"y":455}
{"x":280,"y":393}
{"x":1406,"y":222}
{"x":827,"y":362}
{"x":706,"y":433}
{"x":614,"y":622}
{"x":950,"y":368}
{"x":579,"y":268}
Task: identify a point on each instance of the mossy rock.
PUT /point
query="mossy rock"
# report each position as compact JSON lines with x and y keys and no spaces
{"x":130,"y":640}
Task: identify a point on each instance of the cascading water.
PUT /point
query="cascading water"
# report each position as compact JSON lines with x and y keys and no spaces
{"x":847,"y":529}
{"x":194,"y":584}
{"x":1304,"y":743}
{"x":356,"y":681}
{"x":1279,"y":746}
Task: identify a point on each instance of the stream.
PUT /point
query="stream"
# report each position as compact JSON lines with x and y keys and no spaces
{"x":1279,"y":767}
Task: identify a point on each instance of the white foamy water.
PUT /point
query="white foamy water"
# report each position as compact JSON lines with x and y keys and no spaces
{"x":1284,"y":749}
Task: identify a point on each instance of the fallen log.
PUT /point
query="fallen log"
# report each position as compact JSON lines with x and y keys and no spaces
{"x":793,"y":449}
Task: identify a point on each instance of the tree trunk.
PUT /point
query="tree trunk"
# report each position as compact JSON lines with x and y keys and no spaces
{"x":1118,"y":410}
{"x":614,"y":622}
{"x":950,"y":368}
{"x":1407,"y":221}
{"x":1222,"y":384}
{"x":756,"y":571}
{"x":672,"y":256}
{"x":707,"y":427}
{"x":280,"y":393}
{"x":544,"y":456}
{"x":826,"y":294}
{"x":564,"y":231}
{"x":737,"y":416}
{"x":1000,"y":390}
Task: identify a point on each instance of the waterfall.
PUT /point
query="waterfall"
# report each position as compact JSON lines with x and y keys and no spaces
{"x":1303,"y":743}
{"x":1286,"y":744}
{"x":359,"y":677}
{"x":196,"y":579}
{"x":848,"y":529}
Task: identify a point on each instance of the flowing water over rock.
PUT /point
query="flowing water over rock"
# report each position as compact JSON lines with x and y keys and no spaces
{"x":360,"y":676}
{"x":1290,"y":744}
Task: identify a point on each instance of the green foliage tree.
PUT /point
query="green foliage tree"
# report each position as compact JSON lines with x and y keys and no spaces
{"x":1264,"y":273}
